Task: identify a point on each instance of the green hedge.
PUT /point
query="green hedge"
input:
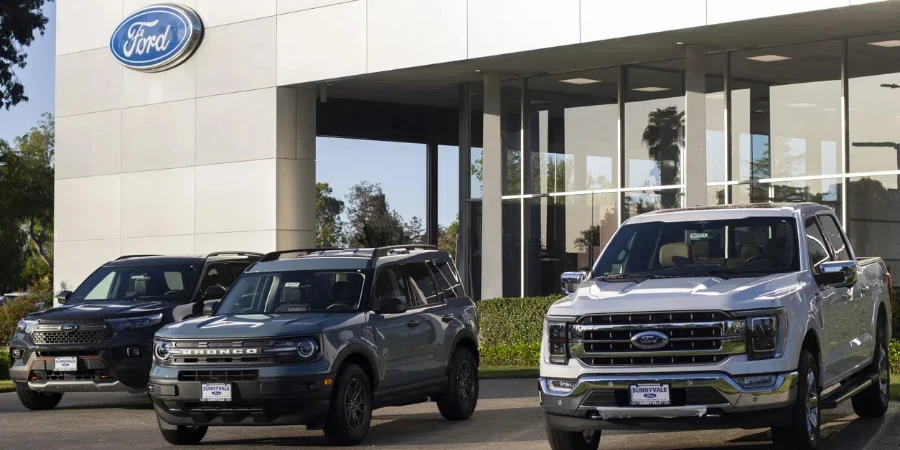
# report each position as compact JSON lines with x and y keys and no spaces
{"x":511,"y":330}
{"x":4,"y":363}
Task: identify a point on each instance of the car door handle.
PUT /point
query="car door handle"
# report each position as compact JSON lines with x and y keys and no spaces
{"x":448,"y":318}
{"x":413,"y":323}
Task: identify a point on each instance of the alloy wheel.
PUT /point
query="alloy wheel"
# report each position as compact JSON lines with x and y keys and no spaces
{"x":465,"y":383}
{"x":355,"y":403}
{"x":812,"y":406}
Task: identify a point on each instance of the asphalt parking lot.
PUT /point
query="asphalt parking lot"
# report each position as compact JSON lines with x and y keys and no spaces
{"x":507,"y":417}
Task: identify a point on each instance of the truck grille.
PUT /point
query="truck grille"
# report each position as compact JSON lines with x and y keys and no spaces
{"x":85,"y":332}
{"x":679,"y":338}
{"x":190,"y":353}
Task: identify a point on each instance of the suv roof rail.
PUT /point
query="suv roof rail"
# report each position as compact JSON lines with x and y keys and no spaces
{"x":272,"y":256}
{"x":133,"y":256}
{"x":236,"y":253}
{"x":385,"y":251}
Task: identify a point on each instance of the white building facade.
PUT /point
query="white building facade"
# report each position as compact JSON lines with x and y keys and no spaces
{"x":575,"y":115}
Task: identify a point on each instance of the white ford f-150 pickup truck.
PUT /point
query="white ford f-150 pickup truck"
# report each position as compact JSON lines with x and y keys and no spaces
{"x":723,"y":317}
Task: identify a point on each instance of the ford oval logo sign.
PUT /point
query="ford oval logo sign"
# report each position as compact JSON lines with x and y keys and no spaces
{"x":156,"y":38}
{"x":68,"y":327}
{"x":650,"y":340}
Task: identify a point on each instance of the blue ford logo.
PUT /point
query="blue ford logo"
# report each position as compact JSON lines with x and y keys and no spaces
{"x":68,"y":327}
{"x":216,"y":393}
{"x":156,"y":38}
{"x":650,"y":340}
{"x":649,"y":395}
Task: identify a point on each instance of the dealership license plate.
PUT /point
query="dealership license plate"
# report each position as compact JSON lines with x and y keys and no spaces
{"x":650,"y":395}
{"x":66,"y":364}
{"x":215,"y":392}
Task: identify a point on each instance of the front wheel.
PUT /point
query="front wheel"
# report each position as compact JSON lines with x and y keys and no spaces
{"x":874,"y":401}
{"x":804,"y":431}
{"x":459,"y":400}
{"x":351,"y":408}
{"x":37,"y":401}
{"x":573,"y":440}
{"x":182,"y":435}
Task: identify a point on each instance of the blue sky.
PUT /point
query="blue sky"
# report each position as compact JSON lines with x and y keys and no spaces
{"x":398,"y":167}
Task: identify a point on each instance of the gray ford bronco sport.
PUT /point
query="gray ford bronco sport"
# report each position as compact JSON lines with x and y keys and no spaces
{"x":321,"y":339}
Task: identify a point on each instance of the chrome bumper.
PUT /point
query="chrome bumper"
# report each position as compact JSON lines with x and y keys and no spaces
{"x":82,"y":386}
{"x":737,"y":399}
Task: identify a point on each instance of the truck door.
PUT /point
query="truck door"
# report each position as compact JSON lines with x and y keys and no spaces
{"x":858,"y":305}
{"x":397,"y":336}
{"x":832,"y":306}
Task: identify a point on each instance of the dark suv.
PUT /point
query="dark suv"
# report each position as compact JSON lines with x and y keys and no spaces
{"x":321,"y":339}
{"x":101,"y":338}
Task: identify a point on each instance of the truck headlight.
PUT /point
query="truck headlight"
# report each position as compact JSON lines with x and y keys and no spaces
{"x":134,"y":323}
{"x":26,"y":326}
{"x":300,"y":349}
{"x":557,"y":341}
{"x":307,"y":348}
{"x":766,"y":335}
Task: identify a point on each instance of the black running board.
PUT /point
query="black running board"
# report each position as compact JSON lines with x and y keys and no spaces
{"x":847,"y":391}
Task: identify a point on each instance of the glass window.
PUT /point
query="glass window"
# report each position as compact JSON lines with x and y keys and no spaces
{"x":654,"y":127}
{"x":392,"y":282}
{"x":825,"y":192}
{"x":237,"y":268}
{"x":448,"y":280}
{"x":572,"y":132}
{"x":733,"y":247}
{"x":815,"y":244}
{"x":640,"y":202}
{"x":216,"y":275}
{"x":715,"y":195}
{"x":565,"y":234}
{"x":174,"y":283}
{"x":874,"y":84}
{"x":786,"y":118}
{"x":511,"y":124}
{"x":873,"y":219}
{"x":298,"y":291}
{"x":476,"y":135}
{"x":835,"y":238}
{"x":423,"y":284}
{"x":512,"y":248}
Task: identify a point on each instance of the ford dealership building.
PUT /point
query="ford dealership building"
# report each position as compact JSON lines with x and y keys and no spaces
{"x":192,"y":127}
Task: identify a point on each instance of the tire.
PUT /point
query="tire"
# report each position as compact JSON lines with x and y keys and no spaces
{"x":874,"y":401}
{"x":458,"y":402}
{"x":183,"y":435}
{"x":351,"y":407}
{"x":805,"y":429}
{"x":573,"y":440}
{"x":37,"y":401}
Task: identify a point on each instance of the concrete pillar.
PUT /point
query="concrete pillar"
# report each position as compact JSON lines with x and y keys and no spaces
{"x":295,"y":175}
{"x":693,"y":165}
{"x":492,"y":210}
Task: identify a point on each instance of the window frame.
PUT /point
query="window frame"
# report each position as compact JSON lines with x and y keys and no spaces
{"x":815,"y":220}
{"x":850,"y":256}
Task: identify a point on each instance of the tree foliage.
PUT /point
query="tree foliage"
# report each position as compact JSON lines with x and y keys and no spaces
{"x":329,"y":225}
{"x":26,"y":207}
{"x":372,"y":222}
{"x":19,"y":19}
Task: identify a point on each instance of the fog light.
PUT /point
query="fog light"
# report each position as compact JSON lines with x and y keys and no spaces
{"x":16,"y":353}
{"x":133,"y":351}
{"x":756,"y":381}
{"x":564,"y":386}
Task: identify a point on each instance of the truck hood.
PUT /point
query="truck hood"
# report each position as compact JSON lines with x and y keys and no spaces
{"x":104,"y":310}
{"x":678,"y":294}
{"x":254,"y":326}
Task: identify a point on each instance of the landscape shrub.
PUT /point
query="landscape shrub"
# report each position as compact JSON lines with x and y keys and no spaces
{"x":11,"y":311}
{"x":511,"y":328}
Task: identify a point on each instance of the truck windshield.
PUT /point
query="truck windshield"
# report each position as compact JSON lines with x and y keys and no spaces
{"x":174,"y":283}
{"x":299,"y":291}
{"x":727,"y":248}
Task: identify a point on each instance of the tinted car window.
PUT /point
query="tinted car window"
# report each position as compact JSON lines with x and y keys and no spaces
{"x":391,"y":282}
{"x":237,"y":268}
{"x":447,"y":280}
{"x":216,"y":275}
{"x":300,"y":291}
{"x":835,"y":238}
{"x":815,"y":243}
{"x":423,"y":284}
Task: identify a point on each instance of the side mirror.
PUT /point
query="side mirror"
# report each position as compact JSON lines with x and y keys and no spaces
{"x":392,"y":305}
{"x":214,"y":293}
{"x":210,"y":306}
{"x":836,"y":274}
{"x":63,"y":297}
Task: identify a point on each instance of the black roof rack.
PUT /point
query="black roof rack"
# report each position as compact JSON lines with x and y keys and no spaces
{"x":385,"y":251}
{"x":236,"y":253}
{"x":272,"y":256}
{"x":133,"y":256}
